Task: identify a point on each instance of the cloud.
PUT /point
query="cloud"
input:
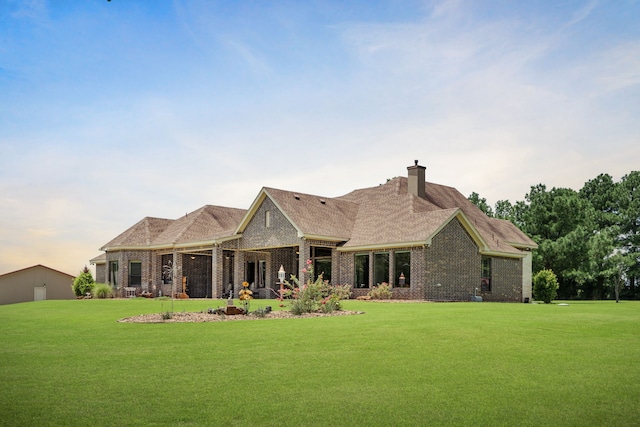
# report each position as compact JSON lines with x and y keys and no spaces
{"x":490,"y":99}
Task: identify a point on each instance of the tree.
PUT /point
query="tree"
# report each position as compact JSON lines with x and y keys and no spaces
{"x":504,"y":210}
{"x":545,"y":286}
{"x":562,"y":223}
{"x":630,"y":226}
{"x":84,"y":283}
{"x":604,"y":195}
{"x":480,"y":203}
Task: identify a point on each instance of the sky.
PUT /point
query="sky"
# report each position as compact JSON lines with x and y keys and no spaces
{"x":111,"y":111}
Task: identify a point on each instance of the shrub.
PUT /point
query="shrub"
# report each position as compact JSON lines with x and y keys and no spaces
{"x":316,"y":294}
{"x":341,"y":291}
{"x":166,"y":315}
{"x":545,"y":286}
{"x":382,"y":291}
{"x":262,"y":312}
{"x":102,"y":290}
{"x":83,"y":284}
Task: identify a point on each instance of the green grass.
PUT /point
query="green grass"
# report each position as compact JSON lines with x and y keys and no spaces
{"x":71,"y":363}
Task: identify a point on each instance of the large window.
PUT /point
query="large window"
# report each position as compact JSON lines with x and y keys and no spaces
{"x":321,"y":258}
{"x":135,"y":273}
{"x":361,"y":271}
{"x":402,"y":269}
{"x":381,"y":267}
{"x":485,"y":275}
{"x":113,"y":273}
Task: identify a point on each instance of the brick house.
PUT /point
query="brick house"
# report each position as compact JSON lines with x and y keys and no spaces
{"x":426,"y":240}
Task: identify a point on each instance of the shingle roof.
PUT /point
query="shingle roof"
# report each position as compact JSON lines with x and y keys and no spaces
{"x":142,"y":233}
{"x":204,"y":224}
{"x":383,"y":216}
{"x":316,"y":215}
{"x":390,"y":214}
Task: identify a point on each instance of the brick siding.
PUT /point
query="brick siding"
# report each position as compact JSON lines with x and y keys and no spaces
{"x":452,"y":265}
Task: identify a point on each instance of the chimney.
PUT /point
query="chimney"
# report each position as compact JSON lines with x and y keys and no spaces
{"x":416,"y":180}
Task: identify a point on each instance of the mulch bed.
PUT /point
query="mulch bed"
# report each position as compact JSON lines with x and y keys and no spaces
{"x":198,"y":317}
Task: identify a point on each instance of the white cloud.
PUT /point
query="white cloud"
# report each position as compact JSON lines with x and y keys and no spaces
{"x":488,"y":102}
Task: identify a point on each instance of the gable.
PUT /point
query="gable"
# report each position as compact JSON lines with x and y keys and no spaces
{"x":313,"y":217}
{"x":280,"y":232}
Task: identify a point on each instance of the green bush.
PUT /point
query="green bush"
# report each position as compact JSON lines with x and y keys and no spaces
{"x":83,"y":284}
{"x":102,"y":290}
{"x":315,"y":295}
{"x":382,"y":291}
{"x":341,"y":291}
{"x":545,"y":286}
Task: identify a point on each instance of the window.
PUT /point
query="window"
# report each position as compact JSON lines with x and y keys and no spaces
{"x":135,"y":273}
{"x":113,"y":273}
{"x":361,"y":271}
{"x":262,"y":272}
{"x":251,"y":272}
{"x":485,"y":275}
{"x":402,"y":269}
{"x":321,"y":258}
{"x":267,"y":219}
{"x":381,"y":267}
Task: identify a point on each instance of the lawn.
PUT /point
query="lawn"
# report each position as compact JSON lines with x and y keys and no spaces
{"x":72,"y":363}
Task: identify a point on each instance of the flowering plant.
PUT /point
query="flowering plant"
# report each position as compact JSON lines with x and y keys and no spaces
{"x":245,"y":295}
{"x":315,"y":295}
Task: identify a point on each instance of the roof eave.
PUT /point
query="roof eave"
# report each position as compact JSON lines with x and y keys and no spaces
{"x":382,"y":246}
{"x":525,"y":246}
{"x":322,"y":237}
{"x":504,"y":254}
{"x":210,"y":242}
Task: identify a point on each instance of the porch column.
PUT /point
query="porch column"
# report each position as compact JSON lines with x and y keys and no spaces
{"x":372,"y":271}
{"x":176,"y":281}
{"x":215,"y":266}
{"x":238,"y":272}
{"x":305,"y":254}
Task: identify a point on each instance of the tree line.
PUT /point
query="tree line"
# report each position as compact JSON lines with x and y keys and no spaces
{"x":589,"y":238}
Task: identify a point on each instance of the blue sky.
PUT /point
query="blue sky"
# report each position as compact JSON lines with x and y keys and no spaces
{"x":113,"y":111}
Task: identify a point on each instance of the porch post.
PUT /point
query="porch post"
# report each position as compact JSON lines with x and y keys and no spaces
{"x":177,"y":273}
{"x":305,"y":254}
{"x":214,"y":271}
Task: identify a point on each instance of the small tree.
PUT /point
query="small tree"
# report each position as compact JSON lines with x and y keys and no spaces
{"x":84,"y":283}
{"x":545,"y":286}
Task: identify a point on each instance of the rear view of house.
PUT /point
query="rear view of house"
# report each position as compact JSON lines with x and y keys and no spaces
{"x":426,"y":240}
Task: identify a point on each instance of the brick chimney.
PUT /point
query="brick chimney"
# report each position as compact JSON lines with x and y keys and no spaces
{"x":416,"y":180}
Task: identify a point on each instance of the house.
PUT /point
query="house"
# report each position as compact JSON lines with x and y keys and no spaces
{"x":34,"y":284}
{"x":426,"y":240}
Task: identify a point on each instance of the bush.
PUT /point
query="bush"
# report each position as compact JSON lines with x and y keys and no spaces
{"x":545,"y":286}
{"x":382,"y":291}
{"x":315,"y":295}
{"x":341,"y":291}
{"x":83,"y":284}
{"x":102,"y":290}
